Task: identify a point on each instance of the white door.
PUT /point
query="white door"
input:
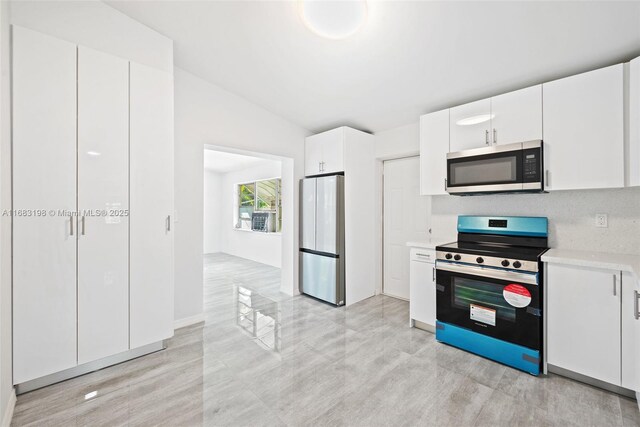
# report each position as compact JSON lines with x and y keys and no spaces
{"x":312,"y":156}
{"x":422,"y":273}
{"x":44,"y":179}
{"x":630,"y":332}
{"x":333,"y":151}
{"x":405,"y":219}
{"x":434,"y":146}
{"x":151,"y":203}
{"x":583,"y":314}
{"x":470,"y":125}
{"x":584,"y":130}
{"x":517,"y":116}
{"x":103,"y":185}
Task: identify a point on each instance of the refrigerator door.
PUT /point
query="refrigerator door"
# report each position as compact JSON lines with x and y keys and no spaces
{"x":321,"y":277}
{"x":308,"y":213}
{"x":329,"y":192}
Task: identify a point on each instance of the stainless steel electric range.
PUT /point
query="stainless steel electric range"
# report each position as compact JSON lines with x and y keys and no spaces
{"x":489,"y":289}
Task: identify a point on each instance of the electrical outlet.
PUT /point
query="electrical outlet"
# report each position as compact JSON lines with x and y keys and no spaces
{"x":601,"y":220}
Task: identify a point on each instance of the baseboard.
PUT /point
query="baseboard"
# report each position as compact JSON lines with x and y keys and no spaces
{"x":8,"y":411}
{"x":188,"y":321}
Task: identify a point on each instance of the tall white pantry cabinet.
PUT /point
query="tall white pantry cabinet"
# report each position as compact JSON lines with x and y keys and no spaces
{"x":92,"y":152}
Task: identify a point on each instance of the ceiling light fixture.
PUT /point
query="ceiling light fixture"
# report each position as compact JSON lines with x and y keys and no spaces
{"x":475,"y":120}
{"x":333,"y":19}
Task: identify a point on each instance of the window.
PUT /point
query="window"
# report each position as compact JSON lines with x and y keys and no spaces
{"x":260,"y":197}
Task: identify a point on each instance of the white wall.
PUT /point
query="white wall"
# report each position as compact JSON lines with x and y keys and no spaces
{"x":571,"y":213}
{"x":206,"y":114}
{"x":6,"y":377}
{"x":212,"y":222}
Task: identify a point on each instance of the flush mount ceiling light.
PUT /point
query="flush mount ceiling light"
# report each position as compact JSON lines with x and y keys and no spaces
{"x":333,"y":19}
{"x":475,"y":120}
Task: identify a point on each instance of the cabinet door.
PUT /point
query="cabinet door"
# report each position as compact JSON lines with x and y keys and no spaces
{"x":583,"y":130}
{"x":103,"y":185}
{"x":630,"y":332}
{"x":151,"y":202}
{"x":434,"y":146}
{"x":583,"y":321}
{"x":44,"y":178}
{"x":470,"y":125}
{"x":517,"y":116}
{"x":333,"y":150}
{"x":422,"y":287}
{"x":312,"y":156}
{"x":634,"y":123}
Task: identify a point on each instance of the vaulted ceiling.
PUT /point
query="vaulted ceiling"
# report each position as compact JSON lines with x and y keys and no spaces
{"x":410,"y":58}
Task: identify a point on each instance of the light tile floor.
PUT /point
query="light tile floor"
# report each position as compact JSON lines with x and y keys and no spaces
{"x":263,"y":358}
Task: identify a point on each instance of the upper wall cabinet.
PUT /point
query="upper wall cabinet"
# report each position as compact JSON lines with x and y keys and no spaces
{"x":517,"y":116}
{"x":324,"y":152}
{"x":434,"y":146}
{"x":512,"y":117}
{"x":633,"y":162}
{"x":470,"y":125}
{"x":584,"y":130}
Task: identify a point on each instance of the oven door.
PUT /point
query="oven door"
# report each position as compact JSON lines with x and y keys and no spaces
{"x":511,"y":167}
{"x":503,"y":304}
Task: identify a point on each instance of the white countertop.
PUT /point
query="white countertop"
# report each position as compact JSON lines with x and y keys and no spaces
{"x":431,"y":243}
{"x":610,"y":261}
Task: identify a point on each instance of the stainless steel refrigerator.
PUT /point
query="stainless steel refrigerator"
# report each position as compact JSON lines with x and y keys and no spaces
{"x":322,"y":238}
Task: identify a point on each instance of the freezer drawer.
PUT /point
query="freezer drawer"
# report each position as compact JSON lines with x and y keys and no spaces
{"x":322,"y":277}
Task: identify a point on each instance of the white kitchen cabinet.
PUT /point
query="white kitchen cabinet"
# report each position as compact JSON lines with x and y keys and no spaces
{"x":151,"y":202}
{"x":324,"y":152}
{"x":630,"y":332}
{"x":517,"y":116}
{"x":583,"y":118}
{"x":422,"y":286}
{"x":434,"y":146}
{"x":44,"y":179}
{"x":470,"y":125}
{"x":103,"y":184}
{"x":583,"y":321}
{"x":633,"y":160}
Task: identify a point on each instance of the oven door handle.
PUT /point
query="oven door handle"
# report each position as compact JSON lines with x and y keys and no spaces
{"x":529,"y":278}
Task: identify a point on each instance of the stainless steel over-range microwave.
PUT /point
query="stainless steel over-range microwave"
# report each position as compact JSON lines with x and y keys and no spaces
{"x":497,"y":169}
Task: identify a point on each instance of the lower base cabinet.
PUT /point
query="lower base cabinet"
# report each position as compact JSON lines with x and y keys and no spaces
{"x":585,"y":334}
{"x":422,"y":286}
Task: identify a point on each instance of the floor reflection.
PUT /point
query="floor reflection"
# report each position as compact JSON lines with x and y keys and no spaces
{"x":259,"y":317}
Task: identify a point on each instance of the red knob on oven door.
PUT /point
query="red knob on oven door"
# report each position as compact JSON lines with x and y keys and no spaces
{"x":479,"y":260}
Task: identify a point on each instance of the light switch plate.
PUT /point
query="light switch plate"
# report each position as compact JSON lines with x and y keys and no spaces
{"x":602,"y":220}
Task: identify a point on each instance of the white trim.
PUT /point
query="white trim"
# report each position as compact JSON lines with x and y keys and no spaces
{"x":8,"y":411}
{"x":188,"y":321}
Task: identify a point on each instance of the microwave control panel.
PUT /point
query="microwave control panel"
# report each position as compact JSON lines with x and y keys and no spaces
{"x":532,"y":165}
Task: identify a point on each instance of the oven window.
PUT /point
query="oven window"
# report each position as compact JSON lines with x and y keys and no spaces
{"x":469,"y":291}
{"x":486,"y":171}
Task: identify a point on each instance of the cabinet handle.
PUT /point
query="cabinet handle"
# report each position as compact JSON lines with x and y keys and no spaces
{"x":82,"y":232}
{"x":615,"y":286}
{"x":546,"y":178}
{"x":433,"y":273}
{"x":486,"y":136}
{"x":168,"y":222}
{"x":319,"y":166}
{"x":495,"y":136}
{"x":636,"y":311}
{"x":445,"y":184}
{"x":322,"y":166}
{"x":71,"y":224}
